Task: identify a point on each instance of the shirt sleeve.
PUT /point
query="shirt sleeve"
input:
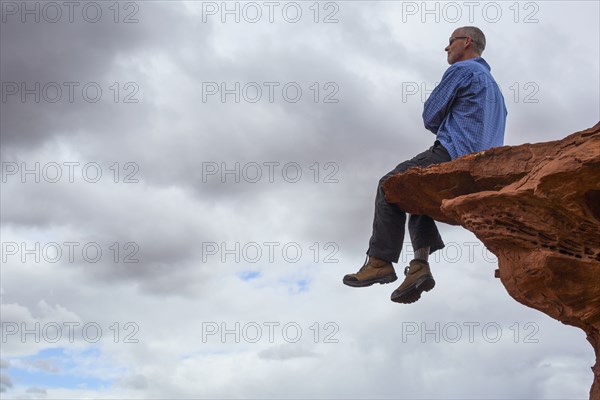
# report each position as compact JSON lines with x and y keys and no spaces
{"x":439,"y":102}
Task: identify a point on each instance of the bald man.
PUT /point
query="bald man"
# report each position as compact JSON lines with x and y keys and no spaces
{"x":466,"y":112}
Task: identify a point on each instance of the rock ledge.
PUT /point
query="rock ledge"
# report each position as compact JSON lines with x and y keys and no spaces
{"x":537,"y":208}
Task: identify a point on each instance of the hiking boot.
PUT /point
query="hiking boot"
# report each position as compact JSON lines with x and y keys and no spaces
{"x":375,"y":270}
{"x":418,"y":279}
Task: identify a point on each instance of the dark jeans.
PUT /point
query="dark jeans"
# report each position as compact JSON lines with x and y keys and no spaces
{"x":388,"y":223}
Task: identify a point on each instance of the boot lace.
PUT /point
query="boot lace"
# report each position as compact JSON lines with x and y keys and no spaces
{"x":365,"y":264}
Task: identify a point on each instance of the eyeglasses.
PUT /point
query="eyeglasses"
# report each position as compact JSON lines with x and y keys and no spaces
{"x":452,"y":39}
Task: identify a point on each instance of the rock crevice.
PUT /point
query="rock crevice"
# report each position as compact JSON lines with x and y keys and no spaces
{"x":537,"y":208}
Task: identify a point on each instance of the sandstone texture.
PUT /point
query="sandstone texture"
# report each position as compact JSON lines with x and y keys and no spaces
{"x":537,"y":208}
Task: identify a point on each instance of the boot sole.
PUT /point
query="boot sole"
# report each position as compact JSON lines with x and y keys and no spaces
{"x":413,"y":293}
{"x":368,"y":282}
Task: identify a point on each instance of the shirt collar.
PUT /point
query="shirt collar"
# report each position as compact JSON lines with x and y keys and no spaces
{"x":481,"y":62}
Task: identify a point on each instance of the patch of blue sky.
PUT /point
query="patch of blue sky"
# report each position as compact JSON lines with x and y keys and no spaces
{"x":56,"y":368}
{"x":296,"y":286}
{"x":249,"y":275}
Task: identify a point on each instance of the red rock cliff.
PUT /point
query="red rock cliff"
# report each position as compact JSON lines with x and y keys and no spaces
{"x":537,"y":208}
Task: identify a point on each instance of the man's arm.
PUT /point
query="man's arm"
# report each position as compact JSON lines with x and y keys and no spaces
{"x":439,"y":102}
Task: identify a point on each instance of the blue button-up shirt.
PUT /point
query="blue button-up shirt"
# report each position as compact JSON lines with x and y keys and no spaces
{"x":466,"y":110}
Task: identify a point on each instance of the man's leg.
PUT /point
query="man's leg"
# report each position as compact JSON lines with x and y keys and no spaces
{"x":385,"y":243}
{"x":389,"y":220}
{"x":425,"y":239}
{"x":422,"y":253}
{"x":388,"y":223}
{"x":424,"y":236}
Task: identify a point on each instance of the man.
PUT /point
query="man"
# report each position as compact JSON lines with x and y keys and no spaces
{"x":466,"y":112}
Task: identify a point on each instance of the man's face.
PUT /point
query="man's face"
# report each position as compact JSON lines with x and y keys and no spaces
{"x":456,"y":49}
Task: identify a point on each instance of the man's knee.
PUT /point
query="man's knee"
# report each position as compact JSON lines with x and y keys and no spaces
{"x":385,"y":178}
{"x":382,"y":180}
{"x":398,"y":170}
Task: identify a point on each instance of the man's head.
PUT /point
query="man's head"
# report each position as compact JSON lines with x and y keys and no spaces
{"x":465,"y":43}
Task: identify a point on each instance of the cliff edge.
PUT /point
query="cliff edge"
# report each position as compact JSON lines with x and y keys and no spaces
{"x":537,"y":208}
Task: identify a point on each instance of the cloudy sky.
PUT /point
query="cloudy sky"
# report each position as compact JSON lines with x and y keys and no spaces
{"x":184,"y":185}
